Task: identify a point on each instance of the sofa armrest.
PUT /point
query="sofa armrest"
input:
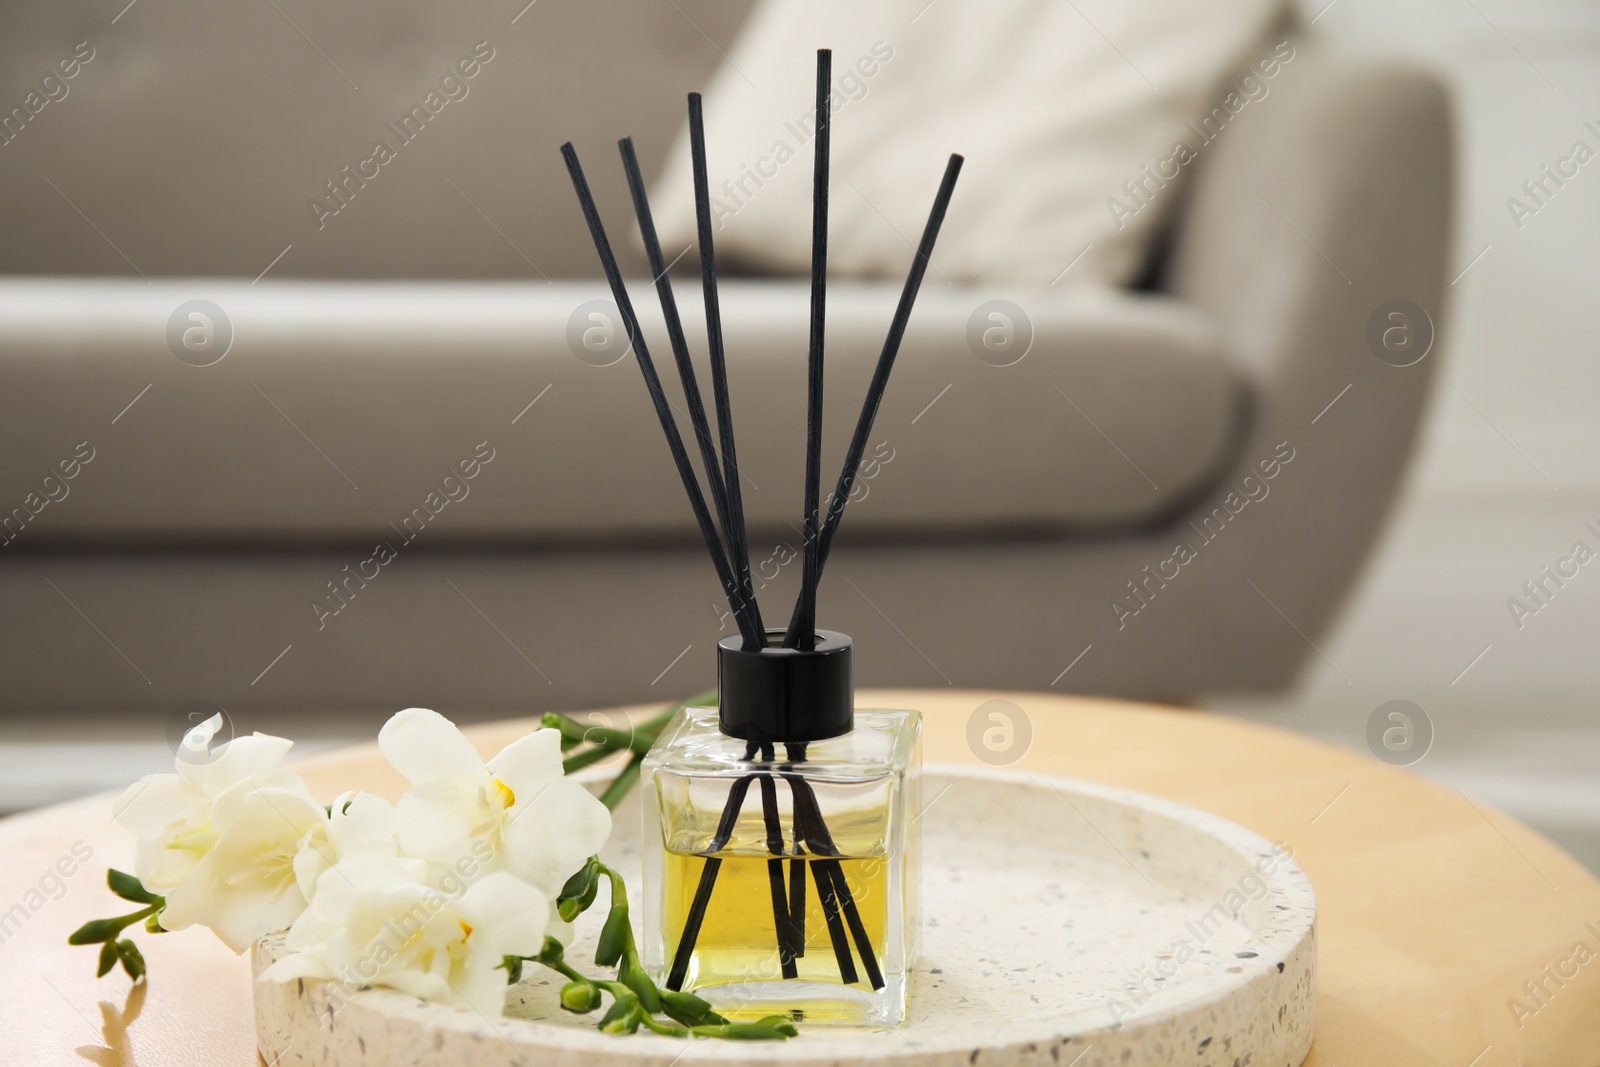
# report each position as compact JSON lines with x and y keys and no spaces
{"x":1319,"y":205}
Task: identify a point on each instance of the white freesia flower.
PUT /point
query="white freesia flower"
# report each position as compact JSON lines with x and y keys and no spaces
{"x":537,"y":824}
{"x":220,"y":839}
{"x":357,"y":822}
{"x":379,"y":920}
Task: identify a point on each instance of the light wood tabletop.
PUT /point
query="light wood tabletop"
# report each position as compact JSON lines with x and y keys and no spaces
{"x":1436,"y":914}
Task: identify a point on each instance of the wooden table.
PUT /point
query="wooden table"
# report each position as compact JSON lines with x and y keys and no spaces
{"x":1434,"y":910}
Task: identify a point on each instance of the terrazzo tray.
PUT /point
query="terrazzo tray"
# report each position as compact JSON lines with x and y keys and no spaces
{"x":1064,"y":925}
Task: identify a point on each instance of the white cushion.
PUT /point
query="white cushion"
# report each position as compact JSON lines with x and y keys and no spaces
{"x":1055,"y":105}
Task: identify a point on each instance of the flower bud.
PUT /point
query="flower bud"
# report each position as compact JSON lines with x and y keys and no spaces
{"x":633,"y":976}
{"x":624,"y":1016}
{"x":550,"y":952}
{"x":749,"y":1032}
{"x":132,"y":959}
{"x":580,"y":997}
{"x":614,"y":936}
{"x":687,"y":1008}
{"x":580,"y":891}
{"x":783,"y":1024}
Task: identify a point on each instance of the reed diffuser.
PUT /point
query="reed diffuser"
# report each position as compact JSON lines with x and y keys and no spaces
{"x":799,"y":895}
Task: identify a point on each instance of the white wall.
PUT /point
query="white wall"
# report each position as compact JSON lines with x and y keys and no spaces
{"x":1509,"y":470}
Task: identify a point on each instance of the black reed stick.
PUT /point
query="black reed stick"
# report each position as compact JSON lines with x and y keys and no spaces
{"x":738,"y":538}
{"x":708,"y":877}
{"x":809,"y":835}
{"x":680,"y":355}
{"x":827,"y":891}
{"x":799,"y":622}
{"x":858,"y":929}
{"x":805,"y":637}
{"x":797,"y":902}
{"x":829,"y":871}
{"x":780,"y":900}
{"x":796,"y":753}
{"x":753,"y":637}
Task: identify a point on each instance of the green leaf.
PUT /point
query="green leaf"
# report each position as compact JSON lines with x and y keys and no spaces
{"x":128,"y":887}
{"x":613,"y":936}
{"x":108,"y":959}
{"x":132,"y":959}
{"x":95,"y":931}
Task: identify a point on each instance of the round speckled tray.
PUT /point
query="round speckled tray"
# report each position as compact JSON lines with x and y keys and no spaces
{"x":1065,"y":924}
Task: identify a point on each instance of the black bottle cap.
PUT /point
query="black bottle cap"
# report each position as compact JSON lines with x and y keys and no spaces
{"x":785,"y":695}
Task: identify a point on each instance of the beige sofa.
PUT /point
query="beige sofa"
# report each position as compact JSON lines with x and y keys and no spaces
{"x":401,"y":485}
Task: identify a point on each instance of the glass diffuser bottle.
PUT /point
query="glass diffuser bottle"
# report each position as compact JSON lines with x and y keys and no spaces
{"x":781,"y":856}
{"x":798,"y":896}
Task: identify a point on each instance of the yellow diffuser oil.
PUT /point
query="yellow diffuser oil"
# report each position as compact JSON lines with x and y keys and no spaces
{"x":741,"y":905}
{"x":781,"y":876}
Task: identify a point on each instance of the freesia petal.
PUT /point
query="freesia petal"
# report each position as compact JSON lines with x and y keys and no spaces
{"x":481,"y":988}
{"x":239,"y":758}
{"x":437,"y":821}
{"x":245,"y":885}
{"x":240,"y":917}
{"x":161,"y":868}
{"x":150,"y":806}
{"x":520,"y":933}
{"x":296,"y":965}
{"x":557,"y":927}
{"x":504,"y":905}
{"x":362,"y":820}
{"x":423,"y":986}
{"x":277,"y":810}
{"x":424,"y":745}
{"x":529,"y":761}
{"x":559,"y":827}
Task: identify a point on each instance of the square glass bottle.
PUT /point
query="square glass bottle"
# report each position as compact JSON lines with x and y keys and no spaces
{"x":781,"y":876}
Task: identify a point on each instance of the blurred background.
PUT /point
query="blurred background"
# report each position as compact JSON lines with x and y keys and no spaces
{"x":438,"y":315}
{"x":1503,"y":479}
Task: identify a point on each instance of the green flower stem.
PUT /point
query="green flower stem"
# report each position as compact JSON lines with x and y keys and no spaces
{"x":587,"y":757}
{"x":572,"y":730}
{"x":656,"y":1026}
{"x":623,"y":782}
{"x":97,"y":930}
{"x":653,"y":726}
{"x":107,"y":933}
{"x":604,"y":742}
{"x":571,"y":973}
{"x":635,"y":999}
